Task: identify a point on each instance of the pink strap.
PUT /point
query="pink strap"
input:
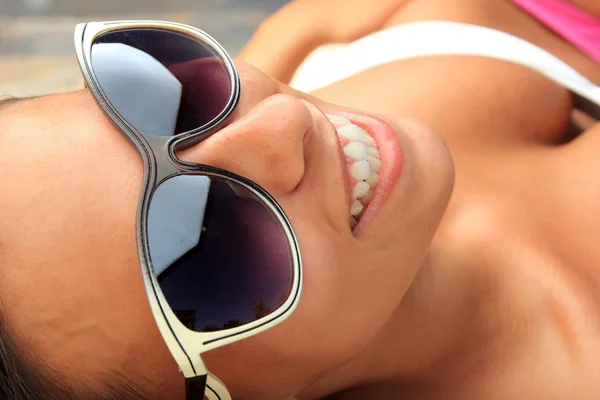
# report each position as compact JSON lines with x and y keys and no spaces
{"x":571,"y":22}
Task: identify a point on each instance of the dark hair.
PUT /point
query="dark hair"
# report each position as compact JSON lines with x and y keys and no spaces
{"x":20,"y":379}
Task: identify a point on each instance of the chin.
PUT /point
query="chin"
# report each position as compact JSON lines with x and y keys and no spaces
{"x":431,"y":165}
{"x":421,"y":196}
{"x":429,"y":155}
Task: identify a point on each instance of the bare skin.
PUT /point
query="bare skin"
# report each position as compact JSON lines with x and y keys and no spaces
{"x":523,"y":259}
{"x":498,"y":302}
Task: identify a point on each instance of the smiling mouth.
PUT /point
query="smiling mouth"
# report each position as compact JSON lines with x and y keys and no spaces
{"x":363,"y":163}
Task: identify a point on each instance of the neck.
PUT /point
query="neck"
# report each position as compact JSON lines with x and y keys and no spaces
{"x":425,"y":338}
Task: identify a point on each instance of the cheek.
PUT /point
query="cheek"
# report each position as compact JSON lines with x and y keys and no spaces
{"x":350,"y":291}
{"x":337,"y":317}
{"x":338,"y":306}
{"x":341,"y":308}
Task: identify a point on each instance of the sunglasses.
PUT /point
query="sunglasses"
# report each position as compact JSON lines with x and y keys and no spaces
{"x":220,"y":261}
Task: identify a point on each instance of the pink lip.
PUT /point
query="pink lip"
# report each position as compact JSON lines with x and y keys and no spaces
{"x":392,"y":161}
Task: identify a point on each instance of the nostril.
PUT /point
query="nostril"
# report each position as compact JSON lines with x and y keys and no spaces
{"x":266,"y":145}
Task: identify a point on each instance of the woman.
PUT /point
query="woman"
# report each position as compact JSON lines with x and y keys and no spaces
{"x":479,"y":286}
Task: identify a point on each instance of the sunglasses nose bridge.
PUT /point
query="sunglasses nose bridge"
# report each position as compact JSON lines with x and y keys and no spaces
{"x":160,"y":157}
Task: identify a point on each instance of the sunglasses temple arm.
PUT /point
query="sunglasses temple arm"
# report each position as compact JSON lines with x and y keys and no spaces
{"x":215,"y":389}
{"x":194,"y":387}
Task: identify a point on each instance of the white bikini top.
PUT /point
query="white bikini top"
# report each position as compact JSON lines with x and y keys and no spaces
{"x":434,"y":38}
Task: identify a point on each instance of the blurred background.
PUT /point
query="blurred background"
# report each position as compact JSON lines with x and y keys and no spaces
{"x":36,"y":36}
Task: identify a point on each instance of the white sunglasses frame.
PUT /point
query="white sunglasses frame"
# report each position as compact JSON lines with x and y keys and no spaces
{"x":160,"y":164}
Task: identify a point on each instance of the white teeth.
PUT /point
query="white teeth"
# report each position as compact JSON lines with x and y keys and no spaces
{"x":369,"y":141}
{"x":338,"y":119}
{"x":373,"y":152}
{"x":363,"y":150}
{"x":356,"y":208}
{"x":360,"y":170}
{"x":366,"y":199}
{"x":360,"y":189}
{"x":353,"y":133}
{"x":374,"y":164}
{"x":373,"y":179}
{"x":356,"y":150}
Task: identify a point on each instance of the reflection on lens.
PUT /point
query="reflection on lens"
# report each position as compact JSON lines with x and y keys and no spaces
{"x":221,"y":256}
{"x":163,"y":83}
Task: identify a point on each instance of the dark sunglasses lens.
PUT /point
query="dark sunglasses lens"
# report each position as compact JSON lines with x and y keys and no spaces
{"x":221,"y":256}
{"x":163,"y":83}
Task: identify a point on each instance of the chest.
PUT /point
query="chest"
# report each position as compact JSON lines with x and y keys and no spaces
{"x":471,"y":101}
{"x":471,"y":98}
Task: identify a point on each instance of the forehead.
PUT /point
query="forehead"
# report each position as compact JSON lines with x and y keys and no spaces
{"x":64,"y":138}
{"x":54,"y":122}
{"x":60,"y":156}
{"x":69,"y":187}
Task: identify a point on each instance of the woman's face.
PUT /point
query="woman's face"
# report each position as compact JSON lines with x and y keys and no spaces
{"x":71,"y":286}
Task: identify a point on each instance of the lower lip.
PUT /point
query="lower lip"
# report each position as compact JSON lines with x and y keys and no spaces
{"x":392,"y":161}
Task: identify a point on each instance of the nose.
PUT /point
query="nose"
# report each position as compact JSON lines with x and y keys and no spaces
{"x":265,"y":139}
